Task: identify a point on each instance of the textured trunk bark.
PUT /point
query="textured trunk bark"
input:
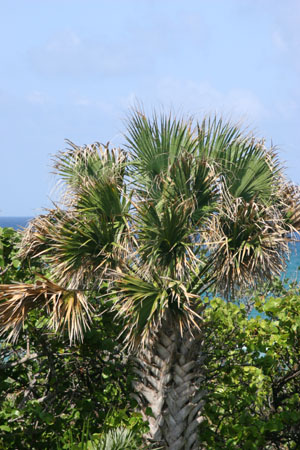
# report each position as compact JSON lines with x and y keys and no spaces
{"x":169,"y":382}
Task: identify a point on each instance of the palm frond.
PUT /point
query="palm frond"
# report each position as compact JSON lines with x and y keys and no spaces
{"x":117,"y":439}
{"x":81,"y":241}
{"x":248,"y":243}
{"x":78,"y":165}
{"x":143,"y":301}
{"x":164,"y":234}
{"x":248,"y":172}
{"x":155,"y":144}
{"x":66,"y":308}
{"x":168,"y":226}
{"x":290,"y":196}
{"x":214,"y":137}
{"x":78,"y":248}
{"x":248,"y":168}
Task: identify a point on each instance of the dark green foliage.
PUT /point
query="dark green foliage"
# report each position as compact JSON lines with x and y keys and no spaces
{"x":49,"y":390}
{"x":56,"y":396}
{"x":253,"y":375}
{"x":57,"y":388}
{"x":12,"y":268}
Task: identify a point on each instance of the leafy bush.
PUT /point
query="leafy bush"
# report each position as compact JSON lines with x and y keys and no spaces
{"x":48,"y":387}
{"x":253,"y":375}
{"x":11,"y":268}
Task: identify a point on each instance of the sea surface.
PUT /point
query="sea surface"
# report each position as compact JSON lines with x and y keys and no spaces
{"x":14,"y":222}
{"x":291,"y":271}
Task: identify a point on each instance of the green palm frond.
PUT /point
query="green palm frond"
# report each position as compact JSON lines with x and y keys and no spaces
{"x":78,"y":248}
{"x":191,"y":179}
{"x":164,"y":235}
{"x":168,"y":227}
{"x":66,"y":308}
{"x":214,"y":137}
{"x":144,"y":300}
{"x":117,"y":439}
{"x":103,"y":198}
{"x":155,"y":144}
{"x":248,"y":169}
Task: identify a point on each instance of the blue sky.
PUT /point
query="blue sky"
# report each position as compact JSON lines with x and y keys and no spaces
{"x":72,"y":68}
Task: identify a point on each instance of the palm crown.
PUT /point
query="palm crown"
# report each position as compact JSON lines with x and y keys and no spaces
{"x":183,"y":208}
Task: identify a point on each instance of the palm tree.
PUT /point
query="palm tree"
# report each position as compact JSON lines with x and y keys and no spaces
{"x":149,"y":229}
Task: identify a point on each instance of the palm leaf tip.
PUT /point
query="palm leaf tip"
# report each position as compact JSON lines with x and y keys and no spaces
{"x":66,"y":308}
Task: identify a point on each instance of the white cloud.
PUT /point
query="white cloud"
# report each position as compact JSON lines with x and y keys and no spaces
{"x":69,"y":55}
{"x":141,"y":45}
{"x":67,"y":40}
{"x":203,"y":97}
{"x":286,"y":34}
{"x":278,"y":41}
{"x":245,"y":103}
{"x":91,"y":103}
{"x":82,"y":100}
{"x":37,"y":98}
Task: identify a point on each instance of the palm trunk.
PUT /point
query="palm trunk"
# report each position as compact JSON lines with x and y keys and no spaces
{"x":169,"y":372}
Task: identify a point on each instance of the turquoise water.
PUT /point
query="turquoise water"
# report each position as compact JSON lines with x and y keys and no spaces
{"x":294,"y":262}
{"x":292,"y":266}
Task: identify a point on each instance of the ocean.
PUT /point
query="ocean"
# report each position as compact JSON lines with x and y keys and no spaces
{"x":14,"y":222}
{"x":293,"y":265}
{"x":291,"y":270}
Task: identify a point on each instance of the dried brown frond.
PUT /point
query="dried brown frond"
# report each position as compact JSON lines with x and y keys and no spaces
{"x":248,"y":243}
{"x":290,"y":195}
{"x":67,"y":308}
{"x":79,"y":165}
{"x":37,"y":234}
{"x":78,"y":248}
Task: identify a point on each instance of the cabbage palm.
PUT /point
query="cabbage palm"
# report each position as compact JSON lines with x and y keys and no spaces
{"x":150,"y":229}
